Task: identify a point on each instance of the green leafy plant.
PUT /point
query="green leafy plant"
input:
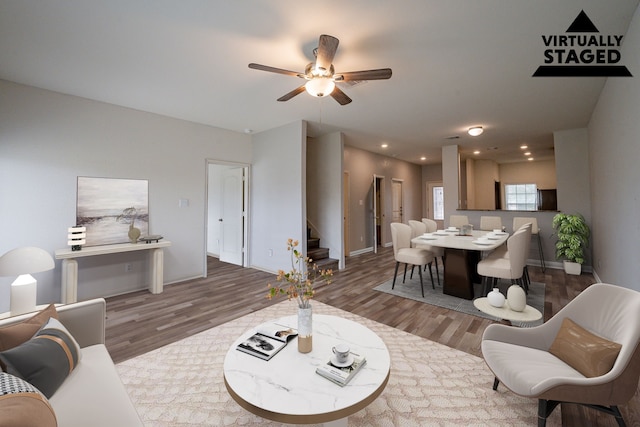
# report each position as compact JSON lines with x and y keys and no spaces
{"x":298,"y":282}
{"x":573,"y":237}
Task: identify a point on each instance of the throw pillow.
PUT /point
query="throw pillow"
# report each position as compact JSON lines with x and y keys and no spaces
{"x":584,"y":351}
{"x":14,"y":335}
{"x":22,"y":405}
{"x":45,"y":360}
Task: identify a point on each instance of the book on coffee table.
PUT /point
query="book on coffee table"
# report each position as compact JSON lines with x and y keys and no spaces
{"x":267,"y":341}
{"x":342,"y":373}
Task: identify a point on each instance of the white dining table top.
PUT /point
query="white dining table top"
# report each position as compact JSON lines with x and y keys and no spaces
{"x":452,"y":240}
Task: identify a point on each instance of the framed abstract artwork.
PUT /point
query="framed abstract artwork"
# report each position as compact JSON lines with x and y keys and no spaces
{"x":109,"y":207}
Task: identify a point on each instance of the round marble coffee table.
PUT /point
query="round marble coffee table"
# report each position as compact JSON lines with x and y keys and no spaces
{"x":529,"y":314}
{"x":288,"y":390}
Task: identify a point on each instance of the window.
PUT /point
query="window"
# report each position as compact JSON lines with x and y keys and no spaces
{"x":521,"y":197}
{"x":438,"y":203}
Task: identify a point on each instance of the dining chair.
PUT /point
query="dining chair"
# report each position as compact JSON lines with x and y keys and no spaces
{"x":458,"y":220}
{"x":535,"y":231}
{"x":587,"y":354}
{"x":508,"y":265}
{"x":404,"y":253}
{"x":418,"y":228}
{"x":490,"y":223}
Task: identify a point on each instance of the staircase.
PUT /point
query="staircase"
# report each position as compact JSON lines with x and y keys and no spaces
{"x":320,"y":256}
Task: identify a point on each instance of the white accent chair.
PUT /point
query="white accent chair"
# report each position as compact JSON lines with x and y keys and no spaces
{"x":404,"y":253}
{"x":518,"y":221}
{"x":458,"y":220}
{"x":490,"y":223}
{"x":520,"y":357}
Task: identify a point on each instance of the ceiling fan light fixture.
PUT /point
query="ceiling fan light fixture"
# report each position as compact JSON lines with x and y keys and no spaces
{"x":320,"y":86}
{"x":475,"y":131}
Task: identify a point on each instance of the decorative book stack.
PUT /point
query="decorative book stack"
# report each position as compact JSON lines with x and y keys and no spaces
{"x":340,"y":374}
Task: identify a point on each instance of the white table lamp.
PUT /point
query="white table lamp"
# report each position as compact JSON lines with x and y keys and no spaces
{"x":22,"y":262}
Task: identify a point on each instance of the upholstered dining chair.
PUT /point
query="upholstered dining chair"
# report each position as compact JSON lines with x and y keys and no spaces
{"x":588,"y":353}
{"x":437,"y":250}
{"x":418,"y":228}
{"x":506,"y":265}
{"x":490,"y":222}
{"x":404,"y":253}
{"x":458,"y":220}
{"x":518,"y":221}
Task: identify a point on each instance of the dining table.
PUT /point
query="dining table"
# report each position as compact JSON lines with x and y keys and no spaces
{"x":461,"y":256}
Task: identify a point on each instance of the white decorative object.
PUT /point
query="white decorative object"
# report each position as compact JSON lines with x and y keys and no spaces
{"x":516,"y":298}
{"x":496,"y":298}
{"x":77,"y":237}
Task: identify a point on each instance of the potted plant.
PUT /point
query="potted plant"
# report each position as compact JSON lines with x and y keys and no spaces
{"x":573,"y":237}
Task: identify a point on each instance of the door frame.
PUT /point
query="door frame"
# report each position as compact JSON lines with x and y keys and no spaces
{"x":401,"y":182}
{"x":246,"y":201}
{"x":377,"y":208}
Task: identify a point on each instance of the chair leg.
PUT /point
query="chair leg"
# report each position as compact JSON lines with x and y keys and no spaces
{"x":395,"y":274}
{"x":496,"y":381}
{"x":411,"y":275}
{"x":545,"y":408}
{"x":437,"y":271}
{"x":611,"y":410}
{"x":431,"y":274}
{"x":541,"y":253}
{"x":404,"y":276}
{"x":421,"y":284}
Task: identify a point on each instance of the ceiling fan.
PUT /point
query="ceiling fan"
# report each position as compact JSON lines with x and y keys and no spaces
{"x":320,"y":75}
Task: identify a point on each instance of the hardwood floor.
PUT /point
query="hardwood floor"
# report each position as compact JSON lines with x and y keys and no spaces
{"x":139,"y":322}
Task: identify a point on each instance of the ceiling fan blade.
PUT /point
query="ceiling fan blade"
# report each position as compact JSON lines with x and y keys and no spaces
{"x":274,"y":70}
{"x":327,"y":47}
{"x":379,"y":74}
{"x":288,"y":96}
{"x":340,"y":96}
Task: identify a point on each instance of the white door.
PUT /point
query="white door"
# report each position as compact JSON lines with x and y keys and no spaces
{"x":396,"y":197}
{"x":232,"y":218}
{"x":374,"y":212}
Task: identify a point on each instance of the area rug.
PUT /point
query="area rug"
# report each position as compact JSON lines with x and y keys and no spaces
{"x":430,"y":384}
{"x":411,"y":289}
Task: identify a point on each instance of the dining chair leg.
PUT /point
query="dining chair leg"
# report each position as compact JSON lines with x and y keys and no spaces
{"x":421,"y":284}
{"x":541,"y":253}
{"x":404,"y":276}
{"x":411,"y":275}
{"x":395,"y":274}
{"x":431,"y":274}
{"x":437,"y":271}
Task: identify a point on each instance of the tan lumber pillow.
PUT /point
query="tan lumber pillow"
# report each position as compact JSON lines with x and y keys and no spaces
{"x":14,"y":335}
{"x":584,"y":351}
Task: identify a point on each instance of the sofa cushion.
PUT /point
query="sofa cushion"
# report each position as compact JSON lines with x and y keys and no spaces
{"x":584,"y":351}
{"x":14,"y":335}
{"x":93,"y":395}
{"x":46,"y":359}
{"x":22,"y":405}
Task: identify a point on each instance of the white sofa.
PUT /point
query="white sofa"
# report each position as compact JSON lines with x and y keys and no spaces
{"x":93,"y":394}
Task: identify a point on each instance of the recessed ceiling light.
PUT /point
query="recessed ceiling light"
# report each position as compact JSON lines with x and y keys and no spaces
{"x":384,"y":145}
{"x":476,"y":152}
{"x":475,"y":131}
{"x":524,"y":147}
{"x":528,"y":153}
{"x":530,"y":158}
{"x":423,"y":158}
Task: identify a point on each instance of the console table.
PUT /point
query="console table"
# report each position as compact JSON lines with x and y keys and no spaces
{"x":70,"y":264}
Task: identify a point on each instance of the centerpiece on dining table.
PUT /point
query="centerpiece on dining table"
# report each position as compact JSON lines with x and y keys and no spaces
{"x":297,"y":284}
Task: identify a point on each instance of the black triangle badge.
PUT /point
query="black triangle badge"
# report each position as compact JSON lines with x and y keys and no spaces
{"x":582,"y":24}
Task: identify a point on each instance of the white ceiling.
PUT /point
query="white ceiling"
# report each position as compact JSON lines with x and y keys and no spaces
{"x":456,"y":63}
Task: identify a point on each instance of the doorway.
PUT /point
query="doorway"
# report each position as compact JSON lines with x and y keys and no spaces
{"x":397,"y":214}
{"x":435,"y":202}
{"x":227,"y":197}
{"x":345,"y":216}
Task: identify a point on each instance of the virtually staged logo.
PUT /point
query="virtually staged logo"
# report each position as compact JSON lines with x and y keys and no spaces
{"x":582,"y":52}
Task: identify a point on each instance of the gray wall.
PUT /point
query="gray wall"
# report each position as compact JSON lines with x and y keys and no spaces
{"x":48,"y":139}
{"x":614,"y":154}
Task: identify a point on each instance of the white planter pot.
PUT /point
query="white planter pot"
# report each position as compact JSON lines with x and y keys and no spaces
{"x":572,"y":268}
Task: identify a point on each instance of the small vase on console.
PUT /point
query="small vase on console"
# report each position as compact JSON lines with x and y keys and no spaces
{"x":305,"y":329}
{"x":495,"y":298}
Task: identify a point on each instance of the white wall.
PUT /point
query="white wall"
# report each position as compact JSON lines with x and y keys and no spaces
{"x":572,"y":171}
{"x":48,"y":139}
{"x":324,"y":192}
{"x":278,"y":185}
{"x":614,"y":152}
